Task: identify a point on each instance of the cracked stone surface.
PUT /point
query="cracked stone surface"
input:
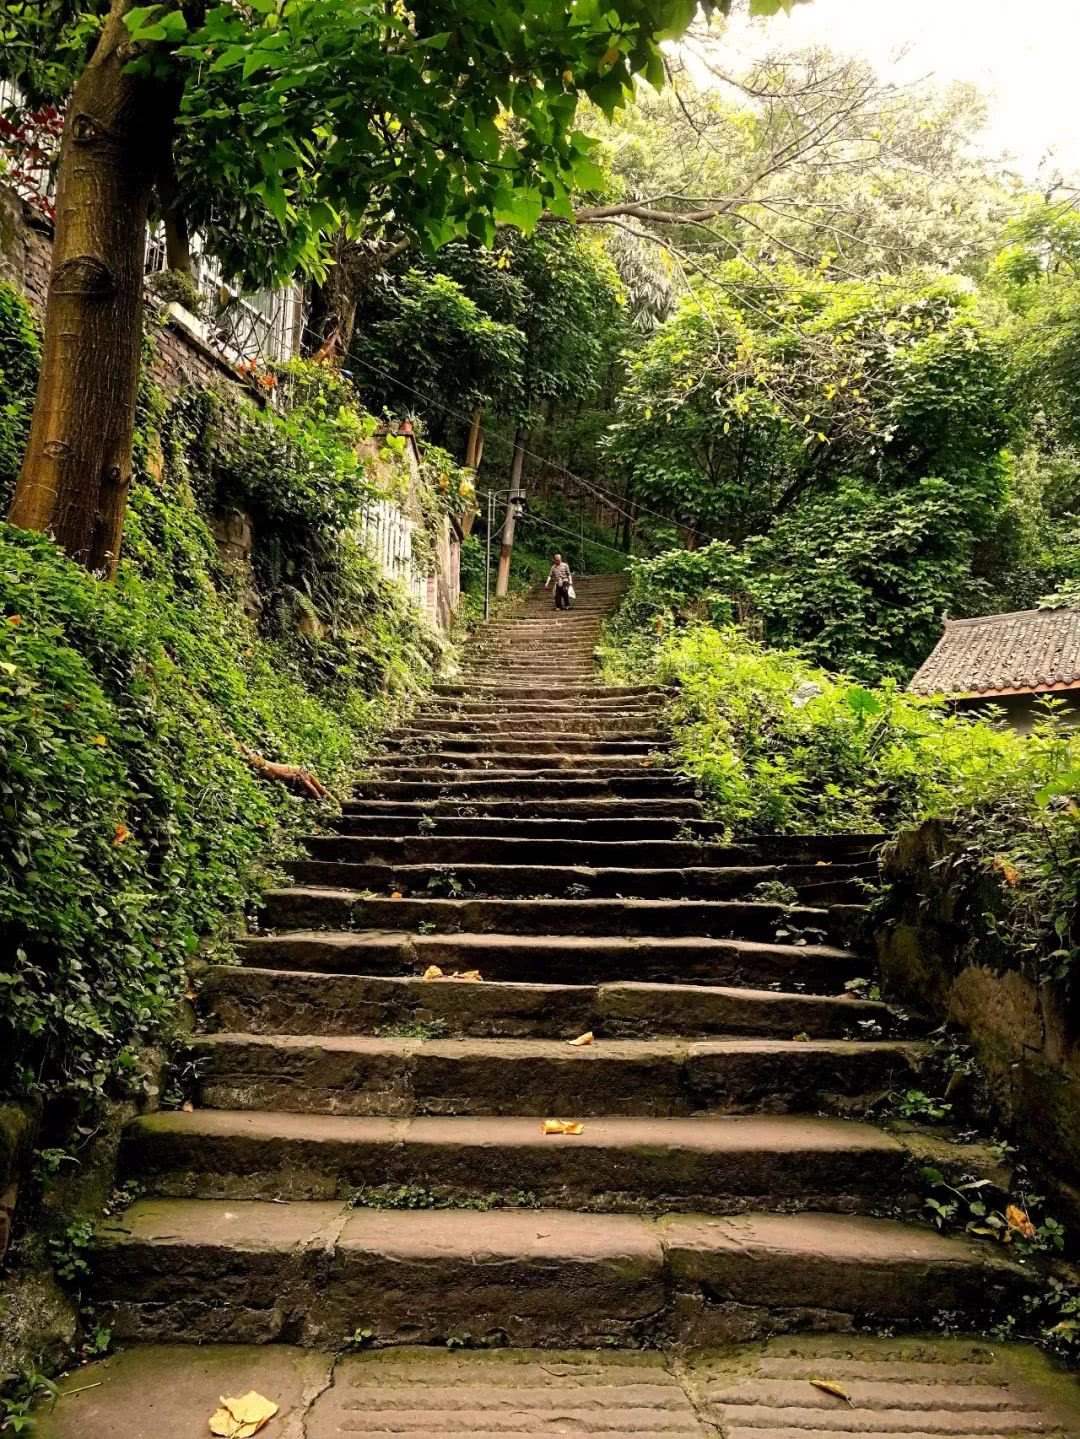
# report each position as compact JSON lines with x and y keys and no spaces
{"x":921,"y":1388}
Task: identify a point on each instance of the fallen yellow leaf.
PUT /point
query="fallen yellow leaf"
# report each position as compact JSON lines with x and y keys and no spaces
{"x":243,"y":1417}
{"x":582,"y":1039}
{"x":99,"y":739}
{"x":432,"y":972}
{"x":1009,"y":872}
{"x":562,"y":1126}
{"x":396,"y":894}
{"x":802,"y":1038}
{"x":472,"y":974}
{"x":1018,"y":1221}
{"x":828,"y":1386}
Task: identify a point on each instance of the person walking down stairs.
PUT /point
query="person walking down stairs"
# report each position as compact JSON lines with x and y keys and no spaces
{"x":563,"y":580}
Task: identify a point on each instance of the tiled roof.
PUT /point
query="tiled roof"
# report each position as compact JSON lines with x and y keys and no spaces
{"x":1004,"y":654}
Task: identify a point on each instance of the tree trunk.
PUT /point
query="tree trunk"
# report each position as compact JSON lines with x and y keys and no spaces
{"x":502,"y":579}
{"x":77,"y":469}
{"x":332,"y":318}
{"x":474,"y":448}
{"x":475,"y":443}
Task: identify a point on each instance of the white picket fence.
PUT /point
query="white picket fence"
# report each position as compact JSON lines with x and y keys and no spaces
{"x":387,"y":532}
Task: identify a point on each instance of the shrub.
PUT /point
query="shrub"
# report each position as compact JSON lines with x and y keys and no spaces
{"x":132,"y":827}
{"x":20,"y":352}
{"x":779,"y":746}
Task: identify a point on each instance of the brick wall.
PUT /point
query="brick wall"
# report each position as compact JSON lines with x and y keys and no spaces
{"x":25,"y":259}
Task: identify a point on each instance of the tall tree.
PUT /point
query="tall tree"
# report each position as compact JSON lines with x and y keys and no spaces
{"x":282,"y":120}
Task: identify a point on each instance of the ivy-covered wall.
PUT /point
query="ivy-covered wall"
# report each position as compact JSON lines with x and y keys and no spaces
{"x":135,"y":832}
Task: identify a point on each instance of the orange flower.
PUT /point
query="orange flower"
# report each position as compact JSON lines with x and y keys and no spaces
{"x":121,"y":833}
{"x":15,"y":620}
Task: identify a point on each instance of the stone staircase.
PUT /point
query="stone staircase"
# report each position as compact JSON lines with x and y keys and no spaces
{"x":364,"y":1161}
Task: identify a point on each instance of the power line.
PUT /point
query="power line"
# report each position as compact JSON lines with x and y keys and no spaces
{"x":559,"y":529}
{"x":607,"y":496}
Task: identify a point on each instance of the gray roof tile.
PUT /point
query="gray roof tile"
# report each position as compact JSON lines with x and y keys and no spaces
{"x":1026,"y":650}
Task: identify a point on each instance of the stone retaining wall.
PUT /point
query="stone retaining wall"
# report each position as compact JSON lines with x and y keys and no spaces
{"x":937,"y":952}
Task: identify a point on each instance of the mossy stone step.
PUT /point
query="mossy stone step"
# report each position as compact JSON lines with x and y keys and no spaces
{"x":315,"y":1273}
{"x":270,"y":1001}
{"x":634,"y":1164}
{"x":361,"y":1074}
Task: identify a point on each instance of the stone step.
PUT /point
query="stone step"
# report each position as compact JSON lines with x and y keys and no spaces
{"x":539,"y":677}
{"x":270,"y":1001}
{"x":709,"y":1164}
{"x":541,"y":695}
{"x":813,"y":850}
{"x":520,"y":881}
{"x":525,"y":786}
{"x":484,"y":703}
{"x":541,"y":767}
{"x":317,"y":1272}
{"x":414,"y":741}
{"x":611,"y":725}
{"x":923,"y":1389}
{"x":406,"y":823}
{"x":569,"y":959}
{"x":594,"y":807}
{"x":509,"y":766}
{"x":301,"y":907}
{"x":515,"y":761}
{"x":516,"y":849}
{"x":362,"y":1074}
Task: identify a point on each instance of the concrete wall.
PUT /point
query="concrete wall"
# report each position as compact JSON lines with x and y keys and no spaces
{"x":1021,"y":711}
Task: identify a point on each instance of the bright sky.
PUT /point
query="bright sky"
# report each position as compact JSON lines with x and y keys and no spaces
{"x":1023,"y":55}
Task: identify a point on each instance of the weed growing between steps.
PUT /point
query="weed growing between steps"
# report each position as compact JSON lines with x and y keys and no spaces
{"x":416,"y":1196}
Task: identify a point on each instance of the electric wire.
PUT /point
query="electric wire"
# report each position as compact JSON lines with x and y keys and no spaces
{"x":609,"y":498}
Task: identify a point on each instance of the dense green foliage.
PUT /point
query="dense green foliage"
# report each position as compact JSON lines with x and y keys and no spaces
{"x":300,"y":116}
{"x":20,"y":348}
{"x":132,"y":825}
{"x":779,"y":745}
{"x":847,"y":438}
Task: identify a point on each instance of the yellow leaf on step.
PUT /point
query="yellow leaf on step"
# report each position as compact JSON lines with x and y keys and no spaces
{"x":582,"y":1039}
{"x":828,"y":1386}
{"x":802,"y":1038}
{"x":432,"y":972}
{"x":243,"y":1417}
{"x":563,"y":1126}
{"x":473,"y":974}
{"x":396,"y":894}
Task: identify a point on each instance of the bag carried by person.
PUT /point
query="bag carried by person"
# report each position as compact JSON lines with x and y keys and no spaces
{"x":570,"y":591}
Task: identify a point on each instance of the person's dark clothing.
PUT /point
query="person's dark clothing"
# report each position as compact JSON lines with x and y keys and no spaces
{"x":562,"y":596}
